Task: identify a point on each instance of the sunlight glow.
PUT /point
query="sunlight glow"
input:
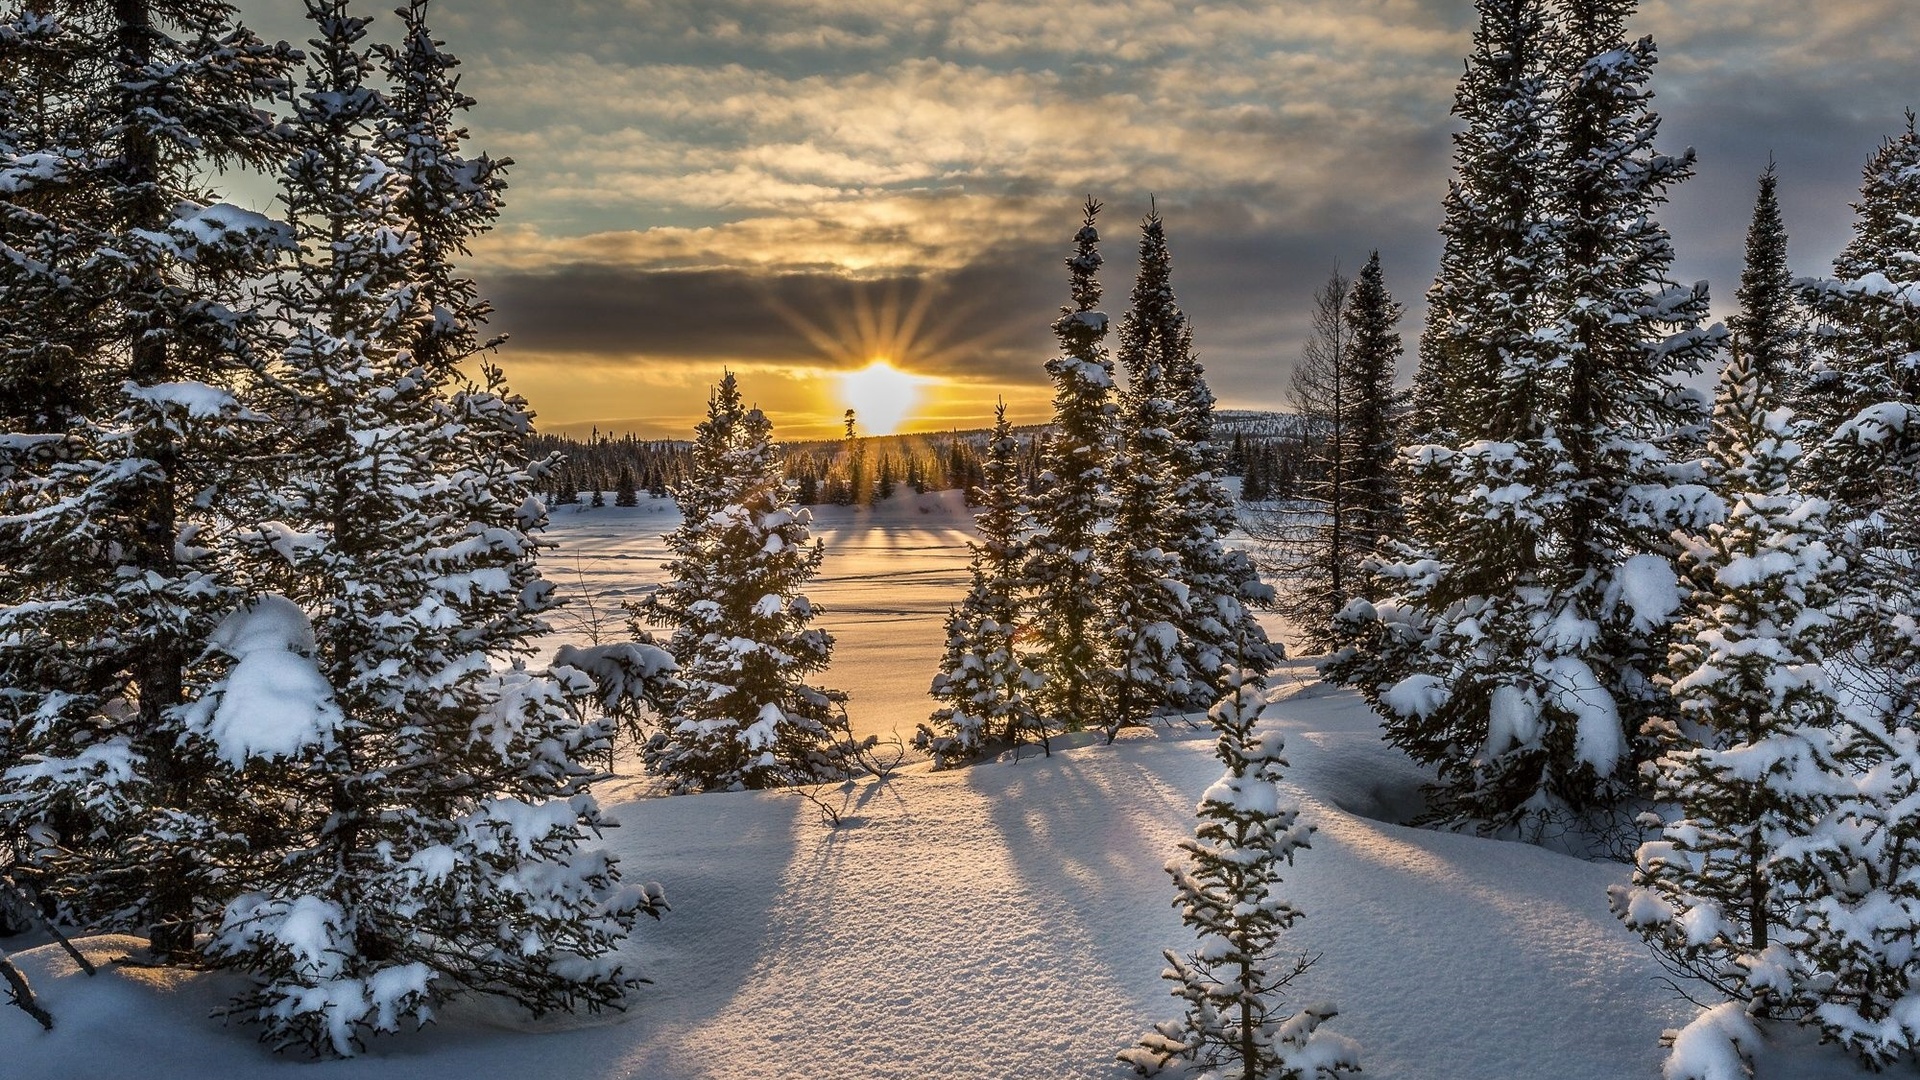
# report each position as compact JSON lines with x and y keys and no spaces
{"x":881,"y":396}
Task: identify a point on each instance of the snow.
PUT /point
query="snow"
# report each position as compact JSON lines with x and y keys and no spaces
{"x":1650,"y":588}
{"x":197,"y":399}
{"x":1001,"y":920}
{"x":1417,"y":695}
{"x":1716,"y":1046}
{"x":274,"y":703}
{"x":1598,"y":738}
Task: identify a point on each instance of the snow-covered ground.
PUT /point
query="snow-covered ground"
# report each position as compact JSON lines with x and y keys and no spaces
{"x":890,"y":574}
{"x":999,"y":921}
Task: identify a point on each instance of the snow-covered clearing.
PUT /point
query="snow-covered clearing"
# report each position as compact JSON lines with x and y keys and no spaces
{"x":890,"y":575}
{"x":999,"y":921}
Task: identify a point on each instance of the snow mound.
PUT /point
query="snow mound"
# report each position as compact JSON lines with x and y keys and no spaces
{"x":274,"y":702}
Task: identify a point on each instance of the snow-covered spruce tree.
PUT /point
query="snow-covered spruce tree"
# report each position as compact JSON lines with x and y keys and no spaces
{"x":1864,"y":911}
{"x":1218,"y":627}
{"x":129,"y":342}
{"x":1142,"y":582}
{"x":1750,"y":763}
{"x":445,"y":198}
{"x":1864,"y":406}
{"x":415,"y":798}
{"x":984,"y":683}
{"x":1628,"y":335}
{"x":1227,"y":890}
{"x":1073,"y":495}
{"x":1859,"y":883}
{"x":1518,"y":656}
{"x":743,"y":715}
{"x":1445,"y":658}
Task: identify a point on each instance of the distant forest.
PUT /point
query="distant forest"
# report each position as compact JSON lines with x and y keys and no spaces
{"x":1270,"y":452}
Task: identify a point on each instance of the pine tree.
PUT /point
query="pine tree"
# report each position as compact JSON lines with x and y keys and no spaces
{"x":1515,"y":652}
{"x":624,"y":493}
{"x":1142,"y":579}
{"x":1226,"y":888}
{"x":1769,"y":329}
{"x":1865,"y":403}
{"x":1374,"y":418}
{"x":743,"y":716}
{"x":130,"y":338}
{"x":984,"y":681}
{"x":420,"y":796}
{"x":1750,"y":764}
{"x":1073,"y":492}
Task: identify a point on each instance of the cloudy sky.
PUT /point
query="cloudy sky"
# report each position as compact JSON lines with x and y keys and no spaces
{"x":794,"y":188}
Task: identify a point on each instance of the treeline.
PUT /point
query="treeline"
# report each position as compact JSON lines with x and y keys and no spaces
{"x":840,"y":472}
{"x":1273,"y":462}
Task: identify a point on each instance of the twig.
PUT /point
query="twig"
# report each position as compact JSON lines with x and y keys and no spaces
{"x":22,"y":993}
{"x":16,"y":895}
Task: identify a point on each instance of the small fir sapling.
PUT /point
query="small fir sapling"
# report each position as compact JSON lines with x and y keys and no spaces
{"x":1227,"y":890}
{"x":986,"y":688}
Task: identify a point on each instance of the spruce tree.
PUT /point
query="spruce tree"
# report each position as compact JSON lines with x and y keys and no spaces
{"x":1073,"y":493}
{"x":1865,"y":403}
{"x":1374,"y":418}
{"x":1223,"y":586}
{"x":624,"y":493}
{"x":1517,"y":650}
{"x":1444,"y":658}
{"x":1626,"y":334}
{"x":1750,"y":765}
{"x":1143,"y":582}
{"x":1227,"y":890}
{"x":1770,"y":328}
{"x":743,"y":715}
{"x":984,"y":682}
{"x":130,"y":340}
{"x":420,"y":795}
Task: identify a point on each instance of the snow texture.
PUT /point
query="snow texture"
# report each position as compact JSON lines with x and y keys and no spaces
{"x":274,"y":703}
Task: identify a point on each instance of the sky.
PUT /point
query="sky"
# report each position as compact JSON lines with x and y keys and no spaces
{"x":793,"y":189}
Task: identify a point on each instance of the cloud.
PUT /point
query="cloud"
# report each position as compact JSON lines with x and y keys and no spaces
{"x":687,"y":170}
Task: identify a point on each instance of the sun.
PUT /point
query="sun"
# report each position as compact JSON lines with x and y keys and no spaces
{"x":880,"y":395}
